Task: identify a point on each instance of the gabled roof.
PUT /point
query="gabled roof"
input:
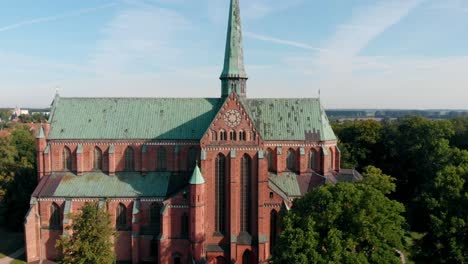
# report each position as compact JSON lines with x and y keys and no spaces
{"x":132,"y":118}
{"x":290,"y":119}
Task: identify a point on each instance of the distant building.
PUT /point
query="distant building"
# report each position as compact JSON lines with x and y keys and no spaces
{"x":138,"y":158}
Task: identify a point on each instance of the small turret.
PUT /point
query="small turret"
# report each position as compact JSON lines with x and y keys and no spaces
{"x":41,"y":145}
{"x":197,"y":214}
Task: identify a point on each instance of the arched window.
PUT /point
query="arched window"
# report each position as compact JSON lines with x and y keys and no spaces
{"x":184,"y":225}
{"x":313,"y":160}
{"x":97,"y":164}
{"x":121,"y":217}
{"x":332,"y":160}
{"x":191,"y":158}
{"x":232,"y":135}
{"x":291,"y":160}
{"x":220,"y":260}
{"x":220,"y":196}
{"x":222,"y":135}
{"x":67,"y":159}
{"x":129,"y":159}
{"x":270,"y":158}
{"x":242,"y":136}
{"x":162,"y":159}
{"x":245,"y":191}
{"x":273,"y":229}
{"x":55,"y":218}
{"x":214,"y":136}
{"x":253,"y":136}
{"x":247,"y":257}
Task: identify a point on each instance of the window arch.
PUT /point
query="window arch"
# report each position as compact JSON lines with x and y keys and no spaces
{"x":55,"y":216}
{"x":232,"y":135}
{"x":245,"y":192}
{"x":155,"y":217}
{"x":220,"y":195}
{"x":270,"y":159}
{"x":162,"y":159}
{"x":222,"y":135}
{"x":129,"y":159}
{"x":67,"y":159}
{"x":191,"y":158}
{"x":242,"y":135}
{"x":291,"y":160}
{"x":121,"y":217}
{"x":184,"y":225}
{"x":331,"y":159}
{"x":214,"y":136}
{"x":313,"y":160}
{"x":97,"y":163}
{"x":247,"y":257}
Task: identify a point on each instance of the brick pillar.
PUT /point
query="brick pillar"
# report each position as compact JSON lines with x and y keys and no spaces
{"x":233,"y":200}
{"x":303,"y":160}
{"x":136,"y":231}
{"x":263,"y":196}
{"x":279,"y":161}
{"x":144,"y":159}
{"x":197,"y":219}
{"x":112,"y":160}
{"x":41,"y":146}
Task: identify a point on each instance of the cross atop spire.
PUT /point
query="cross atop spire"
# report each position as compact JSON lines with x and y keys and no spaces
{"x":233,"y":78}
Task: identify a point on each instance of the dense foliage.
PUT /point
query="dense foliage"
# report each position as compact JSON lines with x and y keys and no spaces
{"x":18,"y":176}
{"x":344,"y":223}
{"x":90,"y":241}
{"x":429,"y":160}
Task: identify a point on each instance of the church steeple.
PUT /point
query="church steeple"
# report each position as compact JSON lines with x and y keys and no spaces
{"x":234,"y":78}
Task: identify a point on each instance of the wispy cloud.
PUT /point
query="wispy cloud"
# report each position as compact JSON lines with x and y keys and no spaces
{"x":286,"y":42}
{"x":366,"y":24}
{"x":55,"y":17}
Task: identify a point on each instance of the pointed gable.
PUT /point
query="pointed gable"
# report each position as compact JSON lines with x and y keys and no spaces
{"x":231,"y":123}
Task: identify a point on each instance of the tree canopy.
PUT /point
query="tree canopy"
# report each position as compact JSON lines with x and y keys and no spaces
{"x":90,"y":241}
{"x":344,"y":223}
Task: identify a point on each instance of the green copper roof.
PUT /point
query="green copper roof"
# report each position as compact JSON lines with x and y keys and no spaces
{"x":41,"y":133}
{"x":197,"y":177}
{"x":287,"y":182}
{"x":124,"y":184}
{"x":290,"y":119}
{"x":132,"y":118}
{"x":234,"y":56}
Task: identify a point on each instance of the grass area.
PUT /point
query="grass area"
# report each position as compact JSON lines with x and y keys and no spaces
{"x":10,"y":242}
{"x":20,"y":260}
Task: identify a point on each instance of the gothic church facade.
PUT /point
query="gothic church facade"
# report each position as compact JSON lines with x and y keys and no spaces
{"x":186,"y":180}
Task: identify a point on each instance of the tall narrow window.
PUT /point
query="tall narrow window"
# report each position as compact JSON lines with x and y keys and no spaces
{"x":313,"y":160}
{"x":121,"y":217}
{"x":214,"y":136}
{"x":273,"y":229}
{"x":270,"y":158}
{"x":291,"y":160}
{"x":232,"y":135}
{"x":129,"y":159}
{"x":54,"y":220}
{"x":245,"y":191}
{"x":247,"y":257}
{"x":242,"y":136}
{"x":191,"y":158}
{"x":222,"y":135}
{"x":97,"y":164}
{"x":155,"y":217}
{"x":331,"y":161}
{"x":162,"y":159}
{"x":184,"y":226}
{"x":220,"y":197}
{"x":67,"y":159}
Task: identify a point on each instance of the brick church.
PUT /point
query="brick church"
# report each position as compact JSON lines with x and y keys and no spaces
{"x":185,"y":180}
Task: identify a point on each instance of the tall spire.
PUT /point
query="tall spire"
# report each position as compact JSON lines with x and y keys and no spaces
{"x":234,"y":78}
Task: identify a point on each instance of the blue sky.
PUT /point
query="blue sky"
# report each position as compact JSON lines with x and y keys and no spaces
{"x":360,"y":53}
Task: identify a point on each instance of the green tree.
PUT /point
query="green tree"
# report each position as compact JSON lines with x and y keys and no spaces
{"x":447,"y":203}
{"x":460,"y":138}
{"x":344,"y":223}
{"x":90,"y":242}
